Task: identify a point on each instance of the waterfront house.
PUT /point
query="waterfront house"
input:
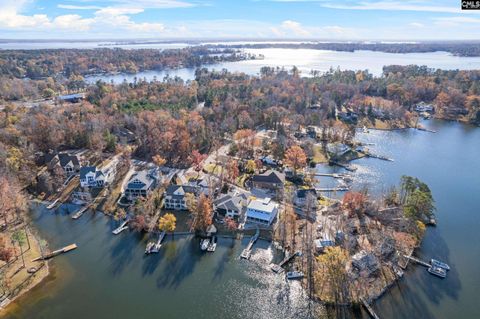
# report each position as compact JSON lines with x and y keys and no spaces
{"x":175,"y":196}
{"x":271,"y":180}
{"x":230,"y":205}
{"x":70,"y":163}
{"x":423,"y":107}
{"x":91,"y":176}
{"x":140,"y":184}
{"x":262,"y":211}
{"x":337,"y":149}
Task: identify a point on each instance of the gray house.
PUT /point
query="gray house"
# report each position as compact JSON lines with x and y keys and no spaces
{"x":140,"y":184}
{"x":175,"y":196}
{"x":230,"y":205}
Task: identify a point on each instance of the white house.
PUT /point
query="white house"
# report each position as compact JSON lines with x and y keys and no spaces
{"x":175,"y":196}
{"x":91,"y":176}
{"x":262,"y":211}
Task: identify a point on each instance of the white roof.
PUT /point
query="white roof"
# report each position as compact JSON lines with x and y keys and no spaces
{"x":265,"y":205}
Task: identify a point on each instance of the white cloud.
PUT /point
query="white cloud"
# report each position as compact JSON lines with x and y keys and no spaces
{"x":416,"y":25}
{"x":394,"y":6}
{"x":75,"y":7}
{"x":295,"y":27}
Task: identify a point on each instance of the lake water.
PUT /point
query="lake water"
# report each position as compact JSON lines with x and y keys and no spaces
{"x":109,"y":276}
{"x":307,"y":60}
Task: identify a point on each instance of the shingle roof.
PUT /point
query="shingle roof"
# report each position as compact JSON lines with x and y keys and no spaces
{"x":171,"y":189}
{"x":144,"y":178}
{"x":85,"y":170}
{"x":270,"y":176}
{"x":65,"y":158}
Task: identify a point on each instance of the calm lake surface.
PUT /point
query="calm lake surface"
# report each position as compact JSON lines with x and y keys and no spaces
{"x":109,"y":277}
{"x":307,"y":60}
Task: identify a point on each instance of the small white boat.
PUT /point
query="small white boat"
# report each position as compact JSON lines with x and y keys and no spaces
{"x":437,"y":271}
{"x":438,"y":263}
{"x":295,"y":275}
{"x":212,"y":245}
{"x":365,"y":130}
{"x":149,"y":247}
{"x":53,"y":204}
{"x":204,"y":244}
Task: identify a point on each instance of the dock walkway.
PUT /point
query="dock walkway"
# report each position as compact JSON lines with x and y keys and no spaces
{"x":121,"y":228}
{"x":278,"y":268}
{"x":80,"y":212}
{"x":248,"y":251}
{"x":369,"y":308}
{"x":57,"y":252}
{"x":418,"y":261}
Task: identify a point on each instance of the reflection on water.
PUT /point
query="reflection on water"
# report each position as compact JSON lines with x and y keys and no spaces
{"x":110,"y":277}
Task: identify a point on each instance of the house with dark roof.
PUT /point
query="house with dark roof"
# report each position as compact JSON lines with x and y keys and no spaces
{"x":70,"y":163}
{"x":91,"y":176}
{"x":230,"y":205}
{"x":271,"y":180}
{"x":140,"y":184}
{"x":175,"y":196}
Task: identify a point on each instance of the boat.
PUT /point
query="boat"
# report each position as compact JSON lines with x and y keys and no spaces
{"x":365,"y":130}
{"x":212,"y":245}
{"x":294,"y":275}
{"x":437,"y":271}
{"x":438,"y":263}
{"x":204,"y":244}
{"x":53,"y":204}
{"x":149,"y":247}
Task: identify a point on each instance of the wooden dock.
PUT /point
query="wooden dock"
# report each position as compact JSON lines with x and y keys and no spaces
{"x":278,"y":268}
{"x":56,"y":252}
{"x":80,"y":212}
{"x":418,"y":261}
{"x":369,"y":308}
{"x":246,"y":253}
{"x":154,"y":247}
{"x":53,"y":204}
{"x":121,"y":228}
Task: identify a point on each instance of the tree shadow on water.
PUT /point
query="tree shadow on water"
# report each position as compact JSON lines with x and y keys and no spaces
{"x":181,"y":258}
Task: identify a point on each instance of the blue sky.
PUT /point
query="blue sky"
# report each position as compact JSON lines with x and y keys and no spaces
{"x":282,"y":19}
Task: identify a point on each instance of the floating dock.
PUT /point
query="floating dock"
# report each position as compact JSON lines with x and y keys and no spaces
{"x":121,"y":228}
{"x":247,"y":252}
{"x":53,"y":204}
{"x":154,"y":247}
{"x":56,"y":252}
{"x":278,"y":268}
{"x":80,"y":212}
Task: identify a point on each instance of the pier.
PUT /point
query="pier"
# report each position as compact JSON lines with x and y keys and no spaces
{"x":121,"y":228}
{"x":418,"y":261}
{"x":56,"y":252}
{"x":154,"y":247}
{"x":278,"y":268}
{"x":246,"y":253}
{"x":53,"y":204}
{"x":372,"y":155}
{"x":333,"y":189}
{"x":80,"y":212}
{"x":369,"y":308}
{"x":338,"y":176}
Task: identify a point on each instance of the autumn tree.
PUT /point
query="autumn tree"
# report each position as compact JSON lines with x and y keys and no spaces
{"x":159,"y":160}
{"x":197,"y":159}
{"x":230,"y":224}
{"x":332,"y":278}
{"x":232,"y":171}
{"x":203,"y":217}
{"x":167,"y":223}
{"x":355,"y":203}
{"x":295,"y":158}
{"x":250,"y":166}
